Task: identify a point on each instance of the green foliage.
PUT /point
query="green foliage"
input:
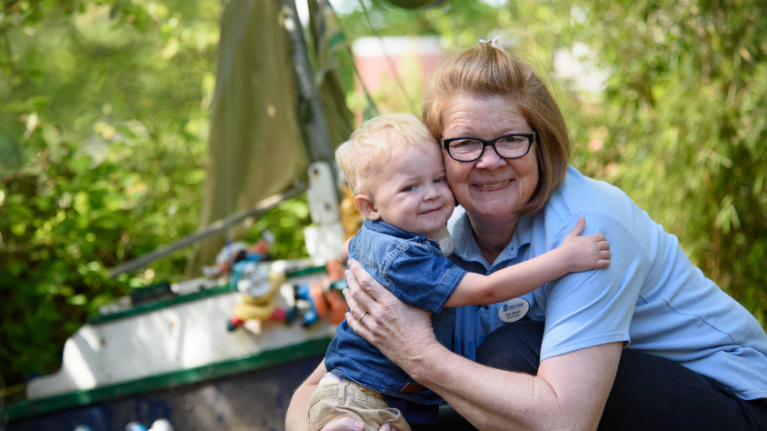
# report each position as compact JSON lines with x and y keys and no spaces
{"x":102,"y":143}
{"x":103,"y":131}
{"x":681,"y":127}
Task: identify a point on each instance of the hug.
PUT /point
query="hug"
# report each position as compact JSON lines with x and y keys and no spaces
{"x":641,"y":341}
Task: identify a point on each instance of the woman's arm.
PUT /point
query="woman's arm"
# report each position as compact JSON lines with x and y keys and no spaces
{"x":577,"y":253}
{"x":296,"y":418}
{"x":569,"y":391}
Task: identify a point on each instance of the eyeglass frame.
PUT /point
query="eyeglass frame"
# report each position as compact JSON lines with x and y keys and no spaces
{"x":532,"y":137}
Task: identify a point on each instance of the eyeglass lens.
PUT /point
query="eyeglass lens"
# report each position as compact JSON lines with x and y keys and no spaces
{"x":508,"y":147}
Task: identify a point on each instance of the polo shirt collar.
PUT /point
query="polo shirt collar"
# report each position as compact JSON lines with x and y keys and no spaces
{"x":466,"y":245}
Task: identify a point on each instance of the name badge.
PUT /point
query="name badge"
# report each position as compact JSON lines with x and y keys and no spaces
{"x":513,"y":310}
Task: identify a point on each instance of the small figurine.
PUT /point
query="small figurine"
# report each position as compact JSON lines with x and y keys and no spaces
{"x":324,"y":298}
{"x":234,"y":253}
{"x":135,"y":426}
{"x":259,"y":286}
{"x":161,"y":425}
{"x":158,"y":425}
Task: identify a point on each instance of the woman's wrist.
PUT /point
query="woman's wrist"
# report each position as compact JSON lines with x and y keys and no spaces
{"x":423,"y":366}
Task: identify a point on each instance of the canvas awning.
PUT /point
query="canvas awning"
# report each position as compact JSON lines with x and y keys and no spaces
{"x":258,"y":142}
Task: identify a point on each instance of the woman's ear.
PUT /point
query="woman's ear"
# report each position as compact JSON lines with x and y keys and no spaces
{"x":366,"y":207}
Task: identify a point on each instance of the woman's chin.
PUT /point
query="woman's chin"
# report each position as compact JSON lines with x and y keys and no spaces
{"x":494,"y":209}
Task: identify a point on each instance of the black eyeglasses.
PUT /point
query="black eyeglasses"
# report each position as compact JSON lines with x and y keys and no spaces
{"x":511,"y":146}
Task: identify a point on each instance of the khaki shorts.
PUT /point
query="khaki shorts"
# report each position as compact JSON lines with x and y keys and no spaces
{"x":334,"y":400}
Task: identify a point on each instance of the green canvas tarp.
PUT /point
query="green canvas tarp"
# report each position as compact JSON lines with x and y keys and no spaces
{"x":258,"y":145}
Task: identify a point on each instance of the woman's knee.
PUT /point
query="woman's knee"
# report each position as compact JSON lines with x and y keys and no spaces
{"x":514,"y":347}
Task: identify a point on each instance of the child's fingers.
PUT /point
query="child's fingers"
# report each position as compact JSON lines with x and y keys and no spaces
{"x":601,"y":264}
{"x":597,"y":237}
{"x":578,"y":229}
{"x":603,"y":245}
{"x":605,"y":255}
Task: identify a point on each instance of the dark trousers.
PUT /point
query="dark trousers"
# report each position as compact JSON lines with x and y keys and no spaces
{"x":649,"y":393}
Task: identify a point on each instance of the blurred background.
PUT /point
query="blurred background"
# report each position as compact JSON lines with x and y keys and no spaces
{"x":104,"y":125}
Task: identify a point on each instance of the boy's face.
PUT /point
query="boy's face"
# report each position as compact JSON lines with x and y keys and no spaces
{"x":411,"y":193}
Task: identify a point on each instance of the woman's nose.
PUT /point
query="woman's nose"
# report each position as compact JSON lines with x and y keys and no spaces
{"x":489,"y":159}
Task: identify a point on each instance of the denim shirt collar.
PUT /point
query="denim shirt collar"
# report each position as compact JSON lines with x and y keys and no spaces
{"x":382,"y":227}
{"x":466,"y":245}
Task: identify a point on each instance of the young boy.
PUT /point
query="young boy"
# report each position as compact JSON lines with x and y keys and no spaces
{"x":395,"y":169}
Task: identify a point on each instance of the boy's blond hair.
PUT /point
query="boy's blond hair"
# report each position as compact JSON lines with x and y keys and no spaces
{"x":377,"y":142}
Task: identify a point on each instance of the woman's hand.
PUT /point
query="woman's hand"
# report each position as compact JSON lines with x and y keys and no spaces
{"x":401,"y":332}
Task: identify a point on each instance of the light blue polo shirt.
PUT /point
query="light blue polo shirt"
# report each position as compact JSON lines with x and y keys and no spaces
{"x":650,"y":296}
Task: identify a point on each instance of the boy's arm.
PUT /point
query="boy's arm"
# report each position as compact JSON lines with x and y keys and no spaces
{"x":508,"y":283}
{"x":576,"y":253}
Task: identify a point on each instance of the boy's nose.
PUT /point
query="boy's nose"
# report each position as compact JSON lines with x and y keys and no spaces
{"x":431,"y":193}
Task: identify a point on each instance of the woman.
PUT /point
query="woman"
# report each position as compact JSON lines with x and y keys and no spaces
{"x":695,"y":358}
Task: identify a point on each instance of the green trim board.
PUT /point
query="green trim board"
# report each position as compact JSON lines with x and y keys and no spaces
{"x":306,"y":271}
{"x":162,"y":303}
{"x":205,"y":293}
{"x":28,"y":408}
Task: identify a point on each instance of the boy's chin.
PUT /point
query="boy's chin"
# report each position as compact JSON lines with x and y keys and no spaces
{"x":437,"y":230}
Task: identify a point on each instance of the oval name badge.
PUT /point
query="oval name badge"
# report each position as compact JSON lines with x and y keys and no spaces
{"x":513,"y":310}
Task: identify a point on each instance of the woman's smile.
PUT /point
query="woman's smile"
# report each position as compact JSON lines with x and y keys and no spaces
{"x":492,"y":186}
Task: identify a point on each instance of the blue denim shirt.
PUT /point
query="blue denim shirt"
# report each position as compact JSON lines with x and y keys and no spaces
{"x":413,"y":268}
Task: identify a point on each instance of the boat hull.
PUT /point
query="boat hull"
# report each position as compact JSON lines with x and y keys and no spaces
{"x":253,"y":400}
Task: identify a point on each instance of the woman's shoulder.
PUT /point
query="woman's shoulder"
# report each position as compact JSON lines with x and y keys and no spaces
{"x":580,"y":195}
{"x":607,"y":210}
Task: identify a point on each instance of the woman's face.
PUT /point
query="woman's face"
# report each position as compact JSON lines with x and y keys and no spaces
{"x":491,"y":188}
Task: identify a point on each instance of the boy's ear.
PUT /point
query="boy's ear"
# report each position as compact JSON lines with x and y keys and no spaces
{"x":366,"y":207}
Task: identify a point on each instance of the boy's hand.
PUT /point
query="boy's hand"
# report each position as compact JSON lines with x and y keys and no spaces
{"x":583,"y":253}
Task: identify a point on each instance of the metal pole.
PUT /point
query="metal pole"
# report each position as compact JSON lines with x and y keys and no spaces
{"x":316,"y":127}
{"x":218,"y":226}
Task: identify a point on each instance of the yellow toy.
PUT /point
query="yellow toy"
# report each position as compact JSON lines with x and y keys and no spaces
{"x":259,"y":287}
